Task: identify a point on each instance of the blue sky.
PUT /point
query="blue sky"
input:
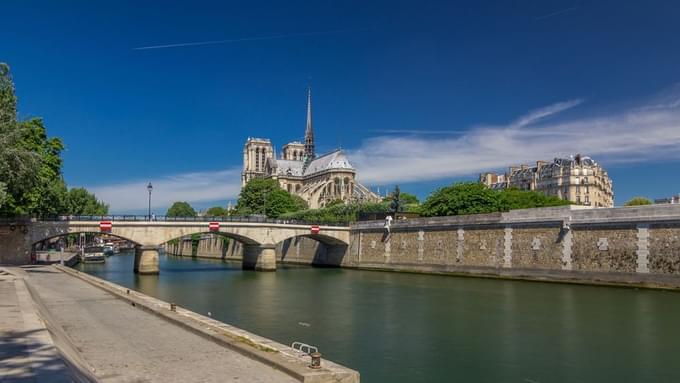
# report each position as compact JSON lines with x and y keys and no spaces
{"x":419,"y":93}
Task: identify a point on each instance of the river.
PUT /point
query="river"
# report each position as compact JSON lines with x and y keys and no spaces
{"x":396,"y":327}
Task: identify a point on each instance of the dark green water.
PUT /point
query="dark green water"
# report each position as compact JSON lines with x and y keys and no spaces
{"x":416,"y":328}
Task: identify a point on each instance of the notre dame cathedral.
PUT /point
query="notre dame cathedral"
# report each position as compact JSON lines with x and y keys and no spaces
{"x":317,"y":179}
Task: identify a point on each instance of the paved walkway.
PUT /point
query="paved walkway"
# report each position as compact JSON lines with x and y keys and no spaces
{"x":125,"y":344}
{"x":27,"y":353}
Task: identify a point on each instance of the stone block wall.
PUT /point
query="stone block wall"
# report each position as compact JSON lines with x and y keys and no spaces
{"x":602,"y":248}
{"x":537,"y":247}
{"x":638,"y":246}
{"x":14,"y":245}
{"x":664,"y":249}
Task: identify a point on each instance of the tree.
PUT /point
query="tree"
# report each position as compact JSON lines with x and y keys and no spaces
{"x":48,"y":194}
{"x":511,"y":199}
{"x":216,"y":211}
{"x":280,"y":201}
{"x":264,"y":196}
{"x":81,"y":202}
{"x":18,"y":166}
{"x":181,"y":209}
{"x":461,"y":198}
{"x":638,"y":201}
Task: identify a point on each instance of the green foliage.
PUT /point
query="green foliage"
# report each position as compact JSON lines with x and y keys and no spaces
{"x":216,"y":211}
{"x":461,"y":198}
{"x":48,"y":194}
{"x":338,"y":213}
{"x":404,"y":197}
{"x":264,"y":196}
{"x":475,"y":198}
{"x":511,"y":199}
{"x":335,"y":202}
{"x":81,"y":202}
{"x":18,"y":166}
{"x":8,"y":99}
{"x":181,"y":209}
{"x":31,"y":181}
{"x":638,"y":201}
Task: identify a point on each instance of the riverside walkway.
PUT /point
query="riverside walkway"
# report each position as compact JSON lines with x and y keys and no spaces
{"x":107,"y":339}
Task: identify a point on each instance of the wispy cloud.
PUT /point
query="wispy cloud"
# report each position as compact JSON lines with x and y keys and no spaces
{"x":629,"y":136}
{"x":209,"y":186}
{"x":556,"y":13}
{"x":245,"y":39}
{"x":539,"y":114}
{"x":418,"y":131}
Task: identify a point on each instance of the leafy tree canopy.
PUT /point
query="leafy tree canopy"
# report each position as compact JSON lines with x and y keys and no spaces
{"x":216,"y":211}
{"x":461,"y":198}
{"x":475,"y":198}
{"x":181,"y":209}
{"x":264,"y":196}
{"x":638,"y":201}
{"x":82,"y":202}
{"x":511,"y":199}
{"x":31,"y":180}
{"x":337,"y":213}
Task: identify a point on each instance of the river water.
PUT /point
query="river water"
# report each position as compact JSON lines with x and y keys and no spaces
{"x":396,"y":327}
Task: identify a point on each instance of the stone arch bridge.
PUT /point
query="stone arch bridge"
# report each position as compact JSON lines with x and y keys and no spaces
{"x":259,"y":239}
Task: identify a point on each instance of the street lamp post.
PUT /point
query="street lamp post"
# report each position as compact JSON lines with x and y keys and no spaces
{"x":149,"y":187}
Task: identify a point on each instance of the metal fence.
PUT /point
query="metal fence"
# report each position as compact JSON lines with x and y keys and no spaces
{"x":163,"y":218}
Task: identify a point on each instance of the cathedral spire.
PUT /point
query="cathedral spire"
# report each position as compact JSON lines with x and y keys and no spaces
{"x":309,"y":130}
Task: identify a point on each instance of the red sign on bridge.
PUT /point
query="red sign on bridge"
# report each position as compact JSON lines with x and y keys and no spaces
{"x":315,"y":229}
{"x":105,"y":225}
{"x":214,"y":226}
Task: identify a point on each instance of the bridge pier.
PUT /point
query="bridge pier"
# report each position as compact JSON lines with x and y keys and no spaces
{"x":259,"y":257}
{"x":146,"y":260}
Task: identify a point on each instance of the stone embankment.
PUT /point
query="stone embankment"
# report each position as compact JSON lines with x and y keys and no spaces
{"x":636,"y":246}
{"x":106,"y":332}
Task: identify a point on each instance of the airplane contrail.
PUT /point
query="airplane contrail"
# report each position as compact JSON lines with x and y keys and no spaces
{"x":229,"y":41}
{"x":556,"y":13}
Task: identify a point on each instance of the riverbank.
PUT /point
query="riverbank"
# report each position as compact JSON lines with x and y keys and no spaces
{"x":114,"y":338}
{"x":27,"y":351}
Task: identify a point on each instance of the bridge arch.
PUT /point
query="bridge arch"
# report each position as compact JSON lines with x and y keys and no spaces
{"x":37,"y":240}
{"x":314,"y":249}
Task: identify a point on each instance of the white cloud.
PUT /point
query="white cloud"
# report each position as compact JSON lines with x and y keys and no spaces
{"x":195,"y":187}
{"x":636,"y":135}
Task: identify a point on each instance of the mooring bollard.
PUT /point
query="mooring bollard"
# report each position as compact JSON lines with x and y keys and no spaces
{"x":316,"y":360}
{"x":127,"y":292}
{"x":173,"y":307}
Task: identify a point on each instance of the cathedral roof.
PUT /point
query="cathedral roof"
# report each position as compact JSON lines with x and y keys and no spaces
{"x":333,"y":160}
{"x":286,"y":167}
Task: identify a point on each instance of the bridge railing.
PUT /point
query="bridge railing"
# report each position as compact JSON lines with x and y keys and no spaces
{"x":163,"y":218}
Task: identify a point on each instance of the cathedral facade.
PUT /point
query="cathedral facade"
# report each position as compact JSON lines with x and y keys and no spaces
{"x":317,"y":179}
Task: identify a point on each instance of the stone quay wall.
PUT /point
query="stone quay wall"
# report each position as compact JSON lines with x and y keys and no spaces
{"x":637,"y":246}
